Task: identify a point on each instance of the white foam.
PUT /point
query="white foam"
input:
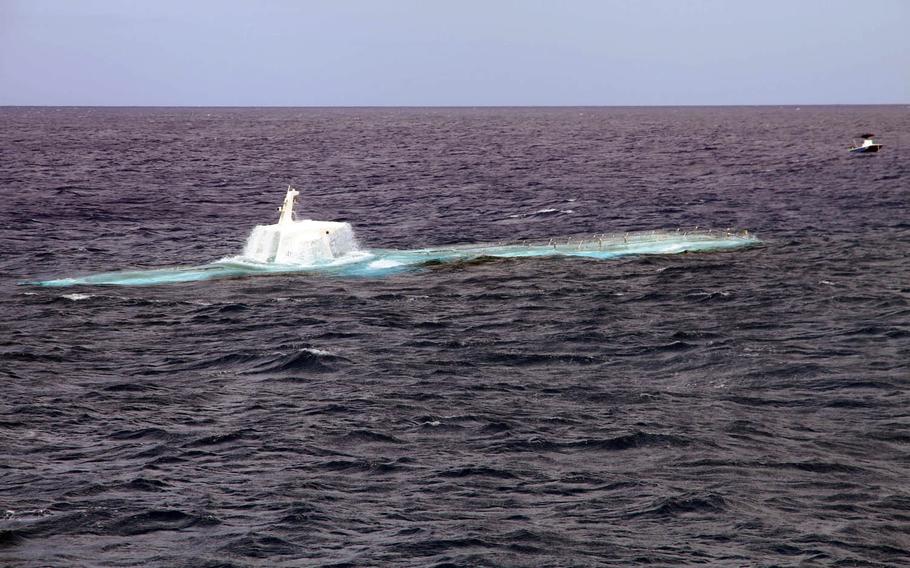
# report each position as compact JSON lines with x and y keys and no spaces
{"x":319,"y":352}
{"x":352,"y":257}
{"x":76,"y":297}
{"x":383,"y":263}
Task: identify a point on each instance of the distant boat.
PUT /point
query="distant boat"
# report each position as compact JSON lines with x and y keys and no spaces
{"x":869,"y":145}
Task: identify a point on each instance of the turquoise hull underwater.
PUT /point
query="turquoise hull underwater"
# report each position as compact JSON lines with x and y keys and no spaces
{"x":386,"y":262}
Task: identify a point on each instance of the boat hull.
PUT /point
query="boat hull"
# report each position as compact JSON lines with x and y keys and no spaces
{"x":871,"y":149}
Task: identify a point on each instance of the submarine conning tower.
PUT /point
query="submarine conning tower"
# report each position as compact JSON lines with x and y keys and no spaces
{"x":304,"y":242}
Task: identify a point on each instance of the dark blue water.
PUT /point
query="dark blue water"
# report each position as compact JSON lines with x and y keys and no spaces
{"x":736,"y":408}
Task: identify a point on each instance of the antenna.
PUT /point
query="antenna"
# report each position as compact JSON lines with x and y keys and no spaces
{"x":287,"y":208}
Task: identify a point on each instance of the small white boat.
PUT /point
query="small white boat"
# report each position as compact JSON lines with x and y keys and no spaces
{"x":869,"y":145}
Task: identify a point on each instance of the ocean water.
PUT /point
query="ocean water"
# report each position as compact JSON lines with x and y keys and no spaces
{"x":739,"y":407}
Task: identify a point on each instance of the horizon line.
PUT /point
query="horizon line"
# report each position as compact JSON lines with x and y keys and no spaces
{"x":459,"y":106}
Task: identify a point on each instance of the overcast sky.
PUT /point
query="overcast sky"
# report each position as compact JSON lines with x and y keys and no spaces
{"x":453,"y":52}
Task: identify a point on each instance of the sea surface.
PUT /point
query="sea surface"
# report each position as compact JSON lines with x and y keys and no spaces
{"x":746,"y":407}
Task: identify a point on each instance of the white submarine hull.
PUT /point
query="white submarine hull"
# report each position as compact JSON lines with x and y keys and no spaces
{"x":329,"y":247}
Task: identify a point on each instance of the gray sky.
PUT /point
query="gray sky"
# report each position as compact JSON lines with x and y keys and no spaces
{"x":454,"y":52}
